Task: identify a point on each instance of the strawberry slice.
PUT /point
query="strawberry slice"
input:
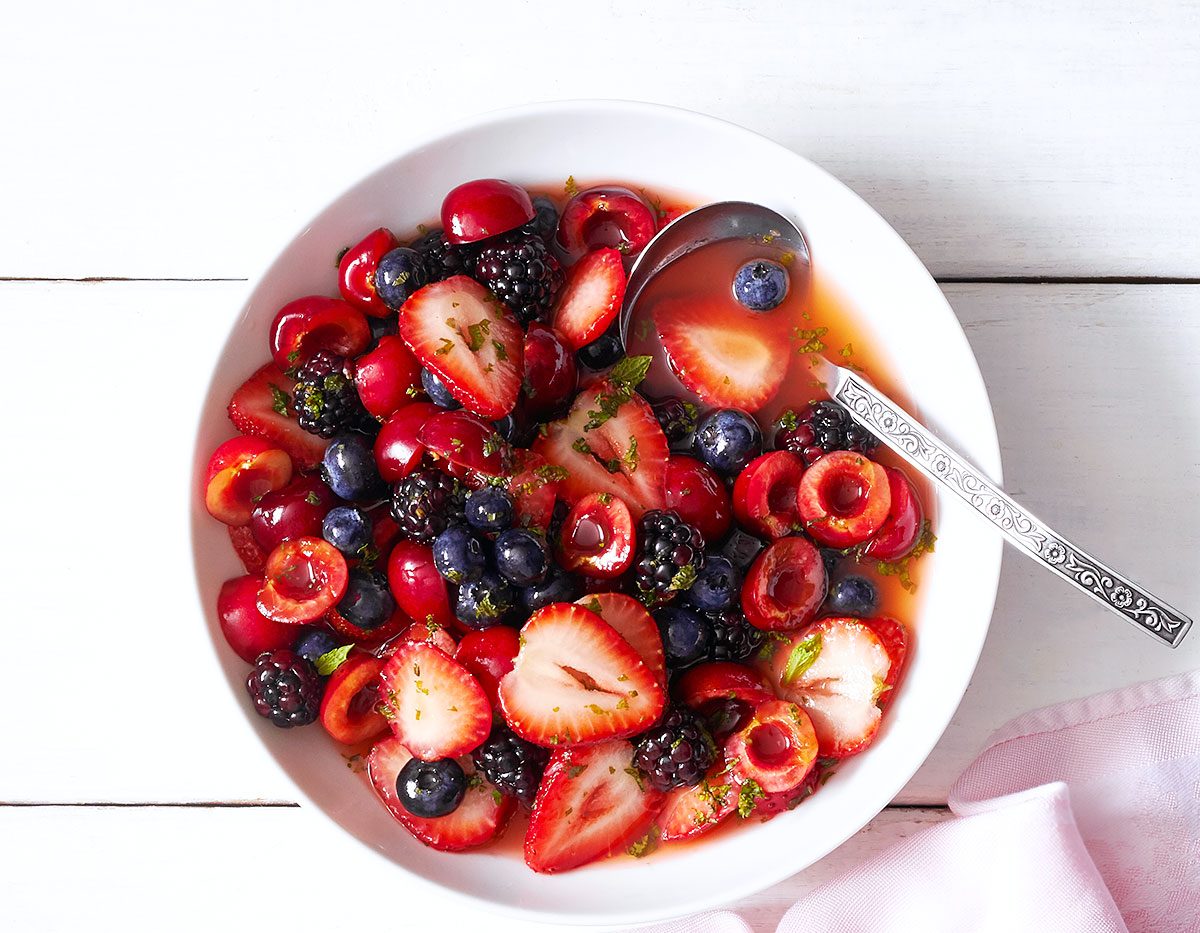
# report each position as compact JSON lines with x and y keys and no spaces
{"x":728,"y":362}
{"x":591,"y":297}
{"x":253,"y":557}
{"x":262,"y":407}
{"x":592,"y":803}
{"x":836,"y":670}
{"x":611,"y":442}
{"x":693,"y":811}
{"x":434,"y":705}
{"x":479,"y":819}
{"x":463,"y":334}
{"x":534,"y":489}
{"x":633,"y":623}
{"x":894,"y":638}
{"x":575,"y":680}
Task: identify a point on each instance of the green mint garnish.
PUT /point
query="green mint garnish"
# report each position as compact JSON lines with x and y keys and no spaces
{"x":802,"y":657}
{"x":330,"y":661}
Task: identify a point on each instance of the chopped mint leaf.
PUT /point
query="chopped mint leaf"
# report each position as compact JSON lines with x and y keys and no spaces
{"x":684,"y":578}
{"x":501,"y":352}
{"x":280,"y":403}
{"x":331,"y":660}
{"x":637,"y":776}
{"x":477,"y":334}
{"x":803,"y":656}
{"x":492,"y":444}
{"x":748,"y":798}
{"x":808,"y":340}
{"x":788,"y":420}
{"x":630,"y":457}
{"x":570,"y":188}
{"x":312,"y":499}
{"x":551,"y":473}
{"x":623,"y":380}
{"x":575,"y":770}
{"x":647,"y":844}
{"x":446,"y":347}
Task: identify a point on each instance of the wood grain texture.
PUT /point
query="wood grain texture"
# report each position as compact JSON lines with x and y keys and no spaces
{"x":1000,"y":139}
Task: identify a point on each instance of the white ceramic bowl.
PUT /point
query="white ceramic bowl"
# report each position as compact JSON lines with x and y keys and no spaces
{"x":902,"y":310}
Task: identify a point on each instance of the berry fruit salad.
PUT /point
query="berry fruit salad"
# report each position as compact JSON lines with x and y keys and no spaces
{"x":608,"y":587}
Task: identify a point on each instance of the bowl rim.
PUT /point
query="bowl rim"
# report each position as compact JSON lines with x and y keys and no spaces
{"x":986,"y":456}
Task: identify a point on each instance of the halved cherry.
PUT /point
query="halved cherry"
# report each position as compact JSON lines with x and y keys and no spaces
{"x":306,"y":325}
{"x":371,"y":638}
{"x":534,"y":489}
{"x":776,"y":749}
{"x":397,"y":450}
{"x":483,"y":208}
{"x":785,"y":586}
{"x":488,"y":654}
{"x":605,"y":216}
{"x":764,"y":496}
{"x":356,"y":271}
{"x":247,"y":630}
{"x":467,"y":440}
{"x":721,"y":680}
{"x":598,"y":538}
{"x":242,"y":471}
{"x":696,"y":493}
{"x":900,"y":530}
{"x":550,"y":371}
{"x":844,"y":498}
{"x":305,"y":579}
{"x":423,"y":631}
{"x":691,"y":811}
{"x":419,"y":589}
{"x":295,"y":511}
{"x":387,"y":378}
{"x":348,"y":708}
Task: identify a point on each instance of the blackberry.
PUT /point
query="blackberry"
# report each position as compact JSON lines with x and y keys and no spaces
{"x":670,"y":555}
{"x":326,"y":400}
{"x":522,"y":273}
{"x":285,"y":688}
{"x":677,"y":419}
{"x":734,"y":639}
{"x":819,"y":428}
{"x":440,"y":258}
{"x":512,"y":765}
{"x":426,"y":503}
{"x":677,"y":752}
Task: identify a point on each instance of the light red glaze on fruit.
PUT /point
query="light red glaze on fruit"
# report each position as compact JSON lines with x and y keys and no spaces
{"x":305,"y":578}
{"x":765,"y":494}
{"x":348,"y":710}
{"x":631,"y":621}
{"x":241,"y":471}
{"x":483,"y":208}
{"x":306,"y":325}
{"x":295,"y":511}
{"x":784,"y":586}
{"x":387,"y":378}
{"x":590,"y":298}
{"x":698,"y":495}
{"x":844,"y":498}
{"x":262,"y":407}
{"x":397,"y":450}
{"x":607,"y":216}
{"x":550,"y":371}
{"x":721,"y":680}
{"x":597,"y":537}
{"x":356,"y":272}
{"x":688,"y":812}
{"x":419,"y":590}
{"x":900,"y":531}
{"x":434,"y":705}
{"x":467,"y":440}
{"x":776,"y":749}
{"x":489,"y":655}
{"x":247,"y":630}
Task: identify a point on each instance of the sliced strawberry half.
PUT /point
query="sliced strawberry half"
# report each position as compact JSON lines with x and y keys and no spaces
{"x":633,"y":623}
{"x":262,"y":407}
{"x":575,"y":680}
{"x":592,"y":802}
{"x":253,"y":557}
{"x":721,"y":680}
{"x":836,"y":669}
{"x":462,"y":333}
{"x":727,"y":362}
{"x":533,"y":486}
{"x":692,"y":811}
{"x":591,"y":297}
{"x":894,"y":638}
{"x":433,"y":704}
{"x":479,"y":819}
{"x":610,"y":442}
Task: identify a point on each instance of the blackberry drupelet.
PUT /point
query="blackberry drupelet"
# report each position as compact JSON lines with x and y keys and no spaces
{"x":819,"y":428}
{"x":426,"y":503}
{"x":675,"y":753}
{"x":670,"y":555}
{"x":677,"y":418}
{"x":285,"y":688}
{"x":512,"y":765}
{"x":326,"y":400}
{"x":440,"y":258}
{"x":522,"y":273}
{"x":734,"y":639}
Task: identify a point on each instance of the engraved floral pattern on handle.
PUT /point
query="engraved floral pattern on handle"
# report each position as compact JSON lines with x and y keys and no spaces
{"x":901,"y":432}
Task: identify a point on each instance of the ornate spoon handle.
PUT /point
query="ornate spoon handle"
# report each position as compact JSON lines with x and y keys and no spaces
{"x":892,"y":425}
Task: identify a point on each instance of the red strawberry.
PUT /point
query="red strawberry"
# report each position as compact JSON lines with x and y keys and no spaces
{"x":575,"y":680}
{"x":633,"y":623}
{"x":894,"y":638}
{"x":534,"y":489}
{"x":590,"y":298}
{"x":464,"y":335}
{"x":253,"y":557}
{"x":721,"y":680}
{"x":479,"y":819}
{"x":610,"y":442}
{"x":692,"y":811}
{"x":434,"y":705}
{"x":262,"y":407}
{"x":728,"y":362}
{"x":592,"y":803}
{"x":836,"y":669}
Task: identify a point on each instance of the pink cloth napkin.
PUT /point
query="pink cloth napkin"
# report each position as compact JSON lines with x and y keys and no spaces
{"x":1079,"y":817}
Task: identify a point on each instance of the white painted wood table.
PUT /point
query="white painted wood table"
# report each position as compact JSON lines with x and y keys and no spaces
{"x":1041,"y":159}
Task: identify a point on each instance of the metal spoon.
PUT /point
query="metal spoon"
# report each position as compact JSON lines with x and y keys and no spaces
{"x":901,"y":432}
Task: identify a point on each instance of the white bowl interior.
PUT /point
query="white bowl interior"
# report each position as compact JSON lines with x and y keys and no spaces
{"x":902,"y":310}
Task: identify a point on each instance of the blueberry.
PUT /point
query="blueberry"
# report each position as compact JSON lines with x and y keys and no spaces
{"x":431,"y":788}
{"x":853,"y":596}
{"x":830,"y":557}
{"x":560,"y":587}
{"x":545,"y":217}
{"x":437,"y":391}
{"x":398,"y":275}
{"x":458,"y":554}
{"x":686,"y":636}
{"x":760,"y":284}
{"x":490,"y":509}
{"x":740,"y":549}
{"x":516,"y":428}
{"x":348,"y":468}
{"x":311,"y":643}
{"x":348,"y":529}
{"x":717,"y":585}
{"x":368,"y":602}
{"x":485,"y":602}
{"x":521,"y":557}
{"x":602,"y":352}
{"x":727,"y":439}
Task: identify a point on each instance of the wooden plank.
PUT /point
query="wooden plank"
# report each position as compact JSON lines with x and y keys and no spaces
{"x":146,"y":868}
{"x":1022,"y":139}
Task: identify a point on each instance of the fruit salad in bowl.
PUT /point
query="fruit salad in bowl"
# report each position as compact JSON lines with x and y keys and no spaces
{"x":570,"y":591}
